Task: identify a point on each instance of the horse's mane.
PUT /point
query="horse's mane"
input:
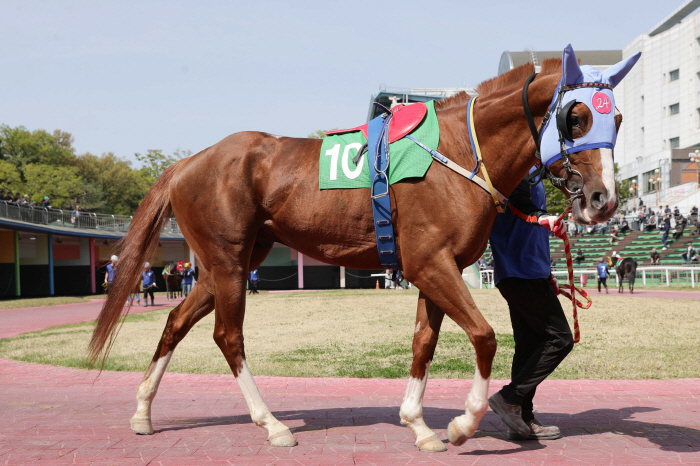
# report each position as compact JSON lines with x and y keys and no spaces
{"x":504,"y":81}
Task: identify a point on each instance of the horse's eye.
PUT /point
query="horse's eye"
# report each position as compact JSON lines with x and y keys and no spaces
{"x":575,"y":122}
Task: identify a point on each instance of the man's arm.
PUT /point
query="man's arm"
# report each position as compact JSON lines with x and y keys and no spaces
{"x":522,"y":206}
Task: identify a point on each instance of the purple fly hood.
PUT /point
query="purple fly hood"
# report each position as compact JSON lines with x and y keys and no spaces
{"x":599,"y":100}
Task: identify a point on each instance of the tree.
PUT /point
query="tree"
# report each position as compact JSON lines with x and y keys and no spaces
{"x":61,"y":184}
{"x":110,"y":184}
{"x":9,"y":176}
{"x":320,"y":133}
{"x":556,"y":201}
{"x":155,"y":162}
{"x":22,"y":147}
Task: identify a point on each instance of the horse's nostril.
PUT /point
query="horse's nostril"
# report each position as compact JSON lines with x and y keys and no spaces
{"x":598,"y":200}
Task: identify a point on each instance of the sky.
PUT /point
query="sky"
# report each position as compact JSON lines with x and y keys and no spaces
{"x":125,"y":77}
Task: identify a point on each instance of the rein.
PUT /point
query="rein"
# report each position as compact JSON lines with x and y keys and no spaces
{"x":570,"y":266}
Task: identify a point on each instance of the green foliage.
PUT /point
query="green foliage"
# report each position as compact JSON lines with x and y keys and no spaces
{"x":556,"y":201}
{"x":9,"y":176}
{"x":155,"y":162}
{"x":57,"y":182}
{"x":22,"y":147}
{"x":110,"y":184}
{"x":320,"y":133}
{"x":623,"y":187}
{"x":41,"y":164}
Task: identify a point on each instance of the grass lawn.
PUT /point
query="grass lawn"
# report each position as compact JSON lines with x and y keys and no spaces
{"x":368,"y":333}
{"x":39,"y":302}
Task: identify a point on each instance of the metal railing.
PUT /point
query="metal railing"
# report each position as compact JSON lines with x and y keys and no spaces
{"x":656,"y":276}
{"x":81,"y":220}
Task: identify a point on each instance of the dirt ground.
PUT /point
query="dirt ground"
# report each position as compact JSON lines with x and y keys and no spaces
{"x":367,"y":333}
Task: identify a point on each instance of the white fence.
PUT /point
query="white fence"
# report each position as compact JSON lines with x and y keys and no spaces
{"x":692,"y":273}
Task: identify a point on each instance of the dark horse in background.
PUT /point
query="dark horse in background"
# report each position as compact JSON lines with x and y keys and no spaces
{"x":173,"y":281}
{"x":626,"y":269}
{"x":267,"y":190}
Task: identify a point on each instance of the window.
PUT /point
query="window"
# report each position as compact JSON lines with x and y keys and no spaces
{"x":673,"y":75}
{"x":675,"y":143}
{"x":648,"y":184}
{"x":674,"y":109}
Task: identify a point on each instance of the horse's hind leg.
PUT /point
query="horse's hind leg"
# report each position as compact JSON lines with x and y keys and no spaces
{"x":449,"y":292}
{"x":428,"y":321}
{"x":230,"y":281}
{"x":181,"y":319}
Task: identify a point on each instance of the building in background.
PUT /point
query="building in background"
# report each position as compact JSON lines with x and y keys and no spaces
{"x":660,"y":103}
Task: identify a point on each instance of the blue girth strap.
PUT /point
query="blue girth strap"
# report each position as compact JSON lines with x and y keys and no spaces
{"x":378,"y":160}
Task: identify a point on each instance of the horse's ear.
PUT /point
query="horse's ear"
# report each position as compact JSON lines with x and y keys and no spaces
{"x":569,"y":66}
{"x":617,"y":72}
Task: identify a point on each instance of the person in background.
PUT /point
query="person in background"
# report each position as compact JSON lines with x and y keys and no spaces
{"x":681,"y":222}
{"x":689,"y":255}
{"x":655,"y":257}
{"x":624,"y":225}
{"x":111,"y":270}
{"x":387,"y":279}
{"x":580,"y":257}
{"x":693,"y":213}
{"x":17,"y":199}
{"x":135,"y":294}
{"x":46,"y":204}
{"x":75,"y":216}
{"x":3,"y":195}
{"x":695,"y":227}
{"x":187,"y":279}
{"x":602,"y":274}
{"x":149,"y":283}
{"x":614,"y":235}
{"x":641,"y":218}
{"x":676,"y":212}
{"x":253,"y":277}
{"x":615,"y":259}
{"x":666,"y":228}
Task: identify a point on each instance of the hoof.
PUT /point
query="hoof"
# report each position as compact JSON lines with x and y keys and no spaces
{"x":282,"y":439}
{"x":142,"y":426}
{"x":461,"y":429}
{"x":431,"y":444}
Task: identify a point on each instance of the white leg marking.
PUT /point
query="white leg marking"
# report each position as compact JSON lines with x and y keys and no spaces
{"x":259,"y":412}
{"x":141,"y":421}
{"x":463,"y":427}
{"x":412,"y":407}
{"x":606,"y":159}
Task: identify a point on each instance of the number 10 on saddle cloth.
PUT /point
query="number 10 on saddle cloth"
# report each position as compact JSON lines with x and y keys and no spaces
{"x":407,"y":159}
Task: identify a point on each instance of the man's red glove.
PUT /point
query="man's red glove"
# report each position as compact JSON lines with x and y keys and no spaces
{"x":553,"y":224}
{"x":555,"y":284}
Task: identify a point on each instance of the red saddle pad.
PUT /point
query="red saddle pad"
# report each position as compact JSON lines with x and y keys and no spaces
{"x":406,"y":118}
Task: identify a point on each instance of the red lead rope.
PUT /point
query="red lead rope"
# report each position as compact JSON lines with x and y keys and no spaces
{"x":570,"y":265}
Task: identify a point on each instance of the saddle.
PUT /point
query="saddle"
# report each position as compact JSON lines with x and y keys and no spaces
{"x":405,"y":119}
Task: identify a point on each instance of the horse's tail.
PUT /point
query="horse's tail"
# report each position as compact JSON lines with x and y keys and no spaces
{"x":137,"y":247}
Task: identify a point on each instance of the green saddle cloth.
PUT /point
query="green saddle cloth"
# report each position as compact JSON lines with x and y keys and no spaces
{"x":406,"y":158}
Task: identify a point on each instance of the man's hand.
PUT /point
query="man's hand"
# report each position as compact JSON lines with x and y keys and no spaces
{"x":553,"y":224}
{"x":555,"y":284}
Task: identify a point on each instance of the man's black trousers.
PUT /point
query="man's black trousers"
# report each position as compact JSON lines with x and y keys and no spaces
{"x":604,"y":282}
{"x":542,"y":337}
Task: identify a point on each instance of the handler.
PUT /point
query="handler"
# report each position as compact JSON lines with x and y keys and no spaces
{"x":111,"y":270}
{"x":542,"y":335}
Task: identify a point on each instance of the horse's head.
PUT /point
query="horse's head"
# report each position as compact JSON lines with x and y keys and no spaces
{"x":579,"y":136}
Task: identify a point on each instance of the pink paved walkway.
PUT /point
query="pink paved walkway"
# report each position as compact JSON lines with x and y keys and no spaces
{"x":30,"y":319}
{"x":54,"y":415}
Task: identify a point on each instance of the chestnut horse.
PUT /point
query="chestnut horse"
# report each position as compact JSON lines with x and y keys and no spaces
{"x":267,"y":191}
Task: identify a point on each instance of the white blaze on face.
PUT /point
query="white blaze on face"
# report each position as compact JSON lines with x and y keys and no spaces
{"x":606,"y":160}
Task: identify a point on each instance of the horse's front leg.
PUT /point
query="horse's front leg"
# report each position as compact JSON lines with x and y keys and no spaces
{"x":428,"y":321}
{"x":442,"y":282}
